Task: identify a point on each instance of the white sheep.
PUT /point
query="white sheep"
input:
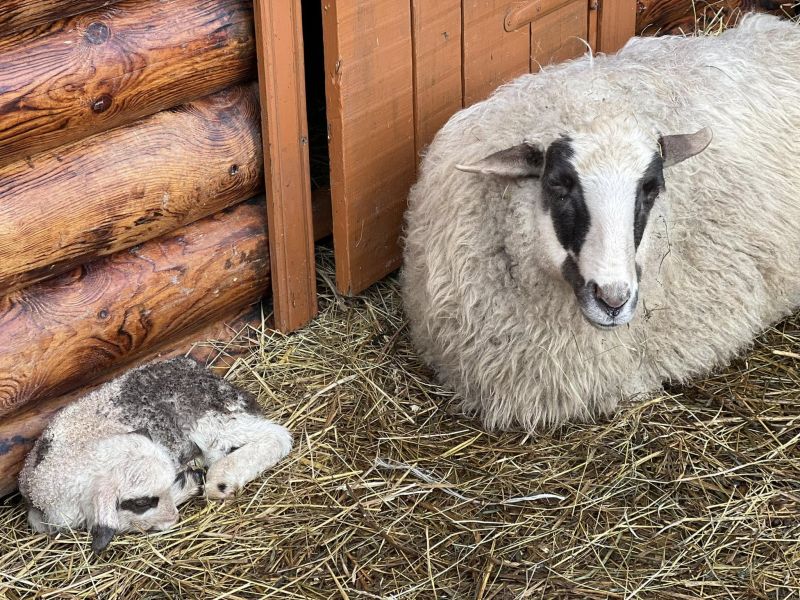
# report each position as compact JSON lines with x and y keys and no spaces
{"x":120,"y":457}
{"x":581,"y":259}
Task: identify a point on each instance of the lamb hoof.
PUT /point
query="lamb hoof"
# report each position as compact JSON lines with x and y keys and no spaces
{"x":220,"y":482}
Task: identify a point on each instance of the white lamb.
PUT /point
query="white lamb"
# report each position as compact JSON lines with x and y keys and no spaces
{"x":120,"y":458}
{"x":581,"y":258}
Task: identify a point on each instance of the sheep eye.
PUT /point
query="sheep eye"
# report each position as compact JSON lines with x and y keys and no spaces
{"x":650,"y":186}
{"x":561,"y":184}
{"x":139,"y":505}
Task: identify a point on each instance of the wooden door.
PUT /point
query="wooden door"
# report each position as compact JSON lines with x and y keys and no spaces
{"x":395,"y":72}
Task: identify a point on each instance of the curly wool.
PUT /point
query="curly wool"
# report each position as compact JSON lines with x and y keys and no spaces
{"x":723,"y":241}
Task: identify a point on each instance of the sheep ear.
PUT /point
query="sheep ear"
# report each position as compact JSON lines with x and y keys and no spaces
{"x":524,"y":160}
{"x":101,"y":514}
{"x":676,"y":148}
{"x":101,"y":538}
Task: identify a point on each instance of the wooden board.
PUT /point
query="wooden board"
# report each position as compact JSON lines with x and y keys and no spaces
{"x":492,"y":55}
{"x":117,"y":189}
{"x":616,"y":24}
{"x":279,"y":40}
{"x":105,"y":68}
{"x":19,"y":430}
{"x":437,"y":66}
{"x":58,"y":334}
{"x":16,"y":15}
{"x":369,"y":94}
{"x":559,"y":35}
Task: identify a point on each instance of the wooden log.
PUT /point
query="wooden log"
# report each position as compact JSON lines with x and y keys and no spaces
{"x":16,"y":15}
{"x":663,"y":17}
{"x":108,"y":67}
{"x":19,"y":430}
{"x":59,"y":333}
{"x":123,"y":187}
{"x":279,"y":37}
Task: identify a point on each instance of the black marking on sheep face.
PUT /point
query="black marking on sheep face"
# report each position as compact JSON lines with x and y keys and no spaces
{"x":101,"y":537}
{"x":563,"y":196}
{"x":168,"y":398}
{"x":647,"y":190}
{"x":139,"y":506}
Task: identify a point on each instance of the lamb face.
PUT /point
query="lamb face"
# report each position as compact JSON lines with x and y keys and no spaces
{"x":590,"y":194}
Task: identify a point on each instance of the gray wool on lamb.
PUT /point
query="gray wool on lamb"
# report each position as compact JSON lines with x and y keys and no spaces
{"x":581,"y":237}
{"x":120,"y":457}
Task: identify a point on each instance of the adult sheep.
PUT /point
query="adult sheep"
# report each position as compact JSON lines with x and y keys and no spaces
{"x":582,"y":236}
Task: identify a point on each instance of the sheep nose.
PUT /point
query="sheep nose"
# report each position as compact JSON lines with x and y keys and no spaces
{"x":612,"y":297}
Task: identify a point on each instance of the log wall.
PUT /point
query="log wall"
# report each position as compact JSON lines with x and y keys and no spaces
{"x":100,"y":69}
{"x":66,"y":206}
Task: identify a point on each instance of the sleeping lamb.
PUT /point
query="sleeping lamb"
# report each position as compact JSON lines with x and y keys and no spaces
{"x":120,"y":458}
{"x":606,"y":225}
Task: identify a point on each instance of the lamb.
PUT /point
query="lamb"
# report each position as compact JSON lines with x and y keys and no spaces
{"x":121,"y":457}
{"x":607,"y":225}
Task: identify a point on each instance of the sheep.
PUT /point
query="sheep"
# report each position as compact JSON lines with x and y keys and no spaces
{"x":121,"y":457}
{"x":608,"y":225}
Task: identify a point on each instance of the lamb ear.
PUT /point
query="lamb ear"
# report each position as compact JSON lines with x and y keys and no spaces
{"x":101,"y":513}
{"x":101,"y":538}
{"x":676,"y":148}
{"x":524,"y":160}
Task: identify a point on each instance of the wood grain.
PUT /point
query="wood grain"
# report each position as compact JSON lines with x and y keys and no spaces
{"x":19,"y":430}
{"x":16,"y":15}
{"x":122,"y":187}
{"x":492,"y":55}
{"x":59,"y":333}
{"x":557,"y":35}
{"x":616,"y":24}
{"x":662,"y":17}
{"x":437,"y":66}
{"x":279,"y":42}
{"x":97,"y":70}
{"x":369,"y":94}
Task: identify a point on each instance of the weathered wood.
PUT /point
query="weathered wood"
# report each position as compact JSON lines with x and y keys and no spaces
{"x":662,"y":17}
{"x":19,"y":430}
{"x":557,"y":35}
{"x":279,"y":38}
{"x":108,"y":67}
{"x":59,"y":333}
{"x":616,"y":24}
{"x":437,"y":66}
{"x":123,"y":187}
{"x":492,"y":55}
{"x":369,"y":93}
{"x":16,"y":15}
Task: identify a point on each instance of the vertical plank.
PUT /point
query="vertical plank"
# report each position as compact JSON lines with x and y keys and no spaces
{"x":492,"y":55}
{"x":437,"y":65}
{"x":558,"y":35}
{"x":369,"y":95}
{"x":279,"y":41}
{"x":616,"y":24}
{"x":594,"y":6}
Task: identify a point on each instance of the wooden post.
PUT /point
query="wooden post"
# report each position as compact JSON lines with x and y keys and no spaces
{"x":279,"y":44}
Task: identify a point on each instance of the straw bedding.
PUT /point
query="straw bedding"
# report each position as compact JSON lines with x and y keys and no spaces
{"x":390,"y":493}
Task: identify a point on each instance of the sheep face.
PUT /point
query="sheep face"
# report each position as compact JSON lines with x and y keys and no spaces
{"x":596,"y":190}
{"x":134,"y":487}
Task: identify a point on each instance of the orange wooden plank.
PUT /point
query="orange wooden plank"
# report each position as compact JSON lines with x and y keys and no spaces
{"x":437,"y":65}
{"x":279,"y":41}
{"x":558,"y":35}
{"x":616,"y":24}
{"x":369,"y":94}
{"x":492,"y":56}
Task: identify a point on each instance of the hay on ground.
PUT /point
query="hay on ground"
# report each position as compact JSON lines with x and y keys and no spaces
{"x":390,"y":493}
